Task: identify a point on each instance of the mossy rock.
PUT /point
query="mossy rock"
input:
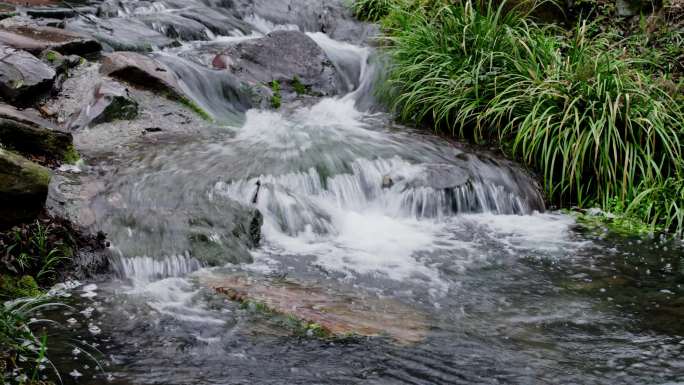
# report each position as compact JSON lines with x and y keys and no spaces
{"x":18,"y":287}
{"x":26,"y":132}
{"x":23,"y":189}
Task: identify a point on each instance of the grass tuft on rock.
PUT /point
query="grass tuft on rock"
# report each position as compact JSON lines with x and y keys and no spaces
{"x":575,"y":105}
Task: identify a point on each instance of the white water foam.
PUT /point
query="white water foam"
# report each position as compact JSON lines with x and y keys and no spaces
{"x":265,"y":26}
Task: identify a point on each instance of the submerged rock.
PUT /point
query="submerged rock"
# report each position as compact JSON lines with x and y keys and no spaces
{"x":28,"y":133}
{"x":23,"y":76}
{"x":218,"y":22}
{"x":176,"y":26}
{"x":36,"y":39}
{"x":287,"y":57}
{"x":23,"y":189}
{"x":338,"y":313}
{"x":110,"y":101}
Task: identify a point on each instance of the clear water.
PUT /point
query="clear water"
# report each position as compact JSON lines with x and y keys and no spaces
{"x":508,"y":293}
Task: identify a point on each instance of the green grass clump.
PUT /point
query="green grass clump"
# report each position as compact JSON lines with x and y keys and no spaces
{"x":372,"y":10}
{"x":276,"y":99}
{"x":299,"y":87}
{"x":71,"y":156}
{"x":571,"y":104}
{"x":22,"y":349}
{"x":37,"y":250}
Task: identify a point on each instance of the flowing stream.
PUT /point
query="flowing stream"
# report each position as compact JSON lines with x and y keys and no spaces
{"x":363,"y":210}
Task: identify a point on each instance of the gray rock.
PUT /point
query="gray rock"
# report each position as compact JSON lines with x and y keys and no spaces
{"x":26,"y":132}
{"x":23,"y":189}
{"x":22,"y":75}
{"x":120,"y":34}
{"x":282,"y":56}
{"x":36,"y":39}
{"x":110,"y":101}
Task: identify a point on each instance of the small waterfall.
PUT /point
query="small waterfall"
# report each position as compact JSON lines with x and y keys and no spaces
{"x":217,"y":93}
{"x":302,"y":201}
{"x":147,"y":269}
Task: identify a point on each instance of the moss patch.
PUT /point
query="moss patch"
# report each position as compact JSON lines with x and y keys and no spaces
{"x":276,"y":99}
{"x":71,"y":156}
{"x":191,"y":105}
{"x":299,"y":87}
{"x":18,"y":287}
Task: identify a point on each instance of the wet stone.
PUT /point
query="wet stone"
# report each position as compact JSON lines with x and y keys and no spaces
{"x":110,"y":101}
{"x":281,"y":56}
{"x":23,"y":189}
{"x":23,"y":77}
{"x":26,"y":132}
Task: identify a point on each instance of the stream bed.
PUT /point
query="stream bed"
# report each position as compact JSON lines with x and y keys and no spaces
{"x":445,"y":255}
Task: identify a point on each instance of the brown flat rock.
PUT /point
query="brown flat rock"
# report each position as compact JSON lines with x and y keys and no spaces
{"x":35,"y":39}
{"x":338,"y":313}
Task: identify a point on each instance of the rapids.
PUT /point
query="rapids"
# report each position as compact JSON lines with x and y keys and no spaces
{"x":510,"y":292}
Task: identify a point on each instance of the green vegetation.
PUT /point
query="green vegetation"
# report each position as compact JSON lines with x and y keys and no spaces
{"x":71,"y":156}
{"x":299,"y":87}
{"x":21,"y":348}
{"x":372,"y":10}
{"x":276,"y":99}
{"x":195,"y":108}
{"x":298,"y":326}
{"x":52,"y":56}
{"x":32,"y":255}
{"x":600,"y":117}
{"x":33,"y":252}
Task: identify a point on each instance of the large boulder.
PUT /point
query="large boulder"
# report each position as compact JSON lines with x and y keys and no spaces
{"x":23,"y":189}
{"x":110,"y":101}
{"x":290,"y":57}
{"x":26,"y":132}
{"x":121,"y":34}
{"x":36,"y":39}
{"x":22,"y":75}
